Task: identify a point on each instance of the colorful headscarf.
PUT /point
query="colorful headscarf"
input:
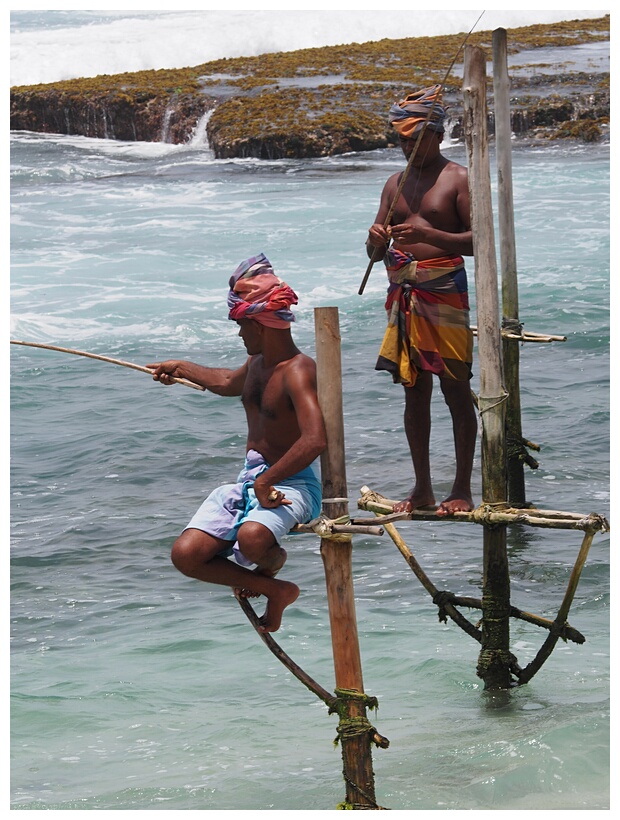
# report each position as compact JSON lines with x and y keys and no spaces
{"x":257,"y":293}
{"x":408,"y":116}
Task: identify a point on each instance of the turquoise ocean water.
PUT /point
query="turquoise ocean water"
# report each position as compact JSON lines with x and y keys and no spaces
{"x":134,"y":688}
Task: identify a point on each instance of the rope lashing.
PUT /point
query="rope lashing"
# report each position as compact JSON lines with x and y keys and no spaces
{"x":595,"y":522}
{"x":498,"y":514}
{"x":487,"y":403}
{"x":324,"y":527}
{"x":346,"y":695}
{"x":337,"y":529}
{"x":558,"y":630}
{"x":513,"y":325}
{"x":353,"y":727}
{"x":516,"y":448}
{"x":483,"y":513}
{"x":356,"y":725}
{"x":489,"y":658}
{"x":353,"y":806}
{"x":440,"y":600}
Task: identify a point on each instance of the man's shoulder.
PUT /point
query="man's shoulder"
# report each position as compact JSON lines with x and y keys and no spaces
{"x":393,"y":180}
{"x":300,"y":366}
{"x":453,"y":175}
{"x":455,"y":167}
{"x":302,"y":360}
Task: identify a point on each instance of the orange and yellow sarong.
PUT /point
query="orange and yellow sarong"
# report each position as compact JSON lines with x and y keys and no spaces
{"x":428,"y":319}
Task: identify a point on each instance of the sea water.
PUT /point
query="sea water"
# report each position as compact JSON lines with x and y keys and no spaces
{"x":136,"y":688}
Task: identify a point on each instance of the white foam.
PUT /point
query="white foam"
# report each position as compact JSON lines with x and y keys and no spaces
{"x":113,"y":42}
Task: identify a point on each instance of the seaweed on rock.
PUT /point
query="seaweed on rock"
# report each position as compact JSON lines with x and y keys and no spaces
{"x":316,"y":101}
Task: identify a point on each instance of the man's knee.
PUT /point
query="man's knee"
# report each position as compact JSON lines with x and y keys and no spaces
{"x":418,"y":397}
{"x":191,"y":550}
{"x":255,"y":540}
{"x":457,"y":393}
{"x":423,"y":384}
{"x":182,"y":555}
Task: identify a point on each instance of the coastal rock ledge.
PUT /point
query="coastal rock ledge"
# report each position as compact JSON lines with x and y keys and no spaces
{"x":324,"y":101}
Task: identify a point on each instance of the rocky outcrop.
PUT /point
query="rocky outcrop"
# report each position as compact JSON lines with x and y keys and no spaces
{"x":274,"y":126}
{"x":108,"y":115}
{"x":315,"y":102}
{"x":583,"y":116}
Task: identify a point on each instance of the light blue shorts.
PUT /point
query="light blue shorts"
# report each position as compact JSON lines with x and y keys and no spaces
{"x":231,"y":505}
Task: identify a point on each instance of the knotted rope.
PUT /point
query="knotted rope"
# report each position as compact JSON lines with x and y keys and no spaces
{"x":356,"y":725}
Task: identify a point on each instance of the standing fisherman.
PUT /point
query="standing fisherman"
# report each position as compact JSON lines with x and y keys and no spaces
{"x":427,"y":303}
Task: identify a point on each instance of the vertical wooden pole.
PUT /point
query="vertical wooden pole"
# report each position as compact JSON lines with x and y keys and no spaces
{"x":508,"y":259}
{"x":493,"y":663}
{"x":355,"y":731}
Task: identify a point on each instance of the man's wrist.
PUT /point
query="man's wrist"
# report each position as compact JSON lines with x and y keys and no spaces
{"x":383,"y":244}
{"x":260,"y":485}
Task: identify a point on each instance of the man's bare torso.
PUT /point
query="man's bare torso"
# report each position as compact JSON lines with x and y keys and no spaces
{"x":272,"y":420}
{"x":430,"y":195}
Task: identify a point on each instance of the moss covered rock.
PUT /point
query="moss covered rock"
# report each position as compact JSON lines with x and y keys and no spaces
{"x":313,"y":102}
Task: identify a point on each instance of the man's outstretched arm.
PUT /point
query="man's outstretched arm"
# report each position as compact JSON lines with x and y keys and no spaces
{"x":219,"y":380}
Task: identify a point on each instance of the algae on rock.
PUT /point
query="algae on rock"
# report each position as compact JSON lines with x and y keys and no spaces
{"x":315,"y":102}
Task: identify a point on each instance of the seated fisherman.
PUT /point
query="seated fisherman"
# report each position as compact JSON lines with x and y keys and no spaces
{"x":427,"y":303}
{"x":279,"y":485}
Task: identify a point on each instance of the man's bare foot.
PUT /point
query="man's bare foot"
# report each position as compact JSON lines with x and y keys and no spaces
{"x":455,"y":502}
{"x":269,"y":572}
{"x":277,"y":602}
{"x":415,"y":501}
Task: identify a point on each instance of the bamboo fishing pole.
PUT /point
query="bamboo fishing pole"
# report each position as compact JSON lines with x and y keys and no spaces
{"x":104,"y":359}
{"x":409,"y":165}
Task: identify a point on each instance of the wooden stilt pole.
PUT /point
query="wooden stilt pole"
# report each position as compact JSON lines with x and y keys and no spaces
{"x":354,"y":730}
{"x":495,"y":659}
{"x":508,"y":259}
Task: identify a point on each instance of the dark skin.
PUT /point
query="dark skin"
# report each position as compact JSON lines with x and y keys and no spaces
{"x":277,"y":385}
{"x":431,"y":219}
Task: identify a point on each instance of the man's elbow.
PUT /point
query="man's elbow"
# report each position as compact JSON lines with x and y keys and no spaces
{"x":467,"y":243}
{"x":318,"y":444}
{"x":375,"y":253}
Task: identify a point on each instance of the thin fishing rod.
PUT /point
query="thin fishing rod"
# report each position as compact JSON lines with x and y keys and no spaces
{"x":405,"y":173}
{"x":104,"y":359}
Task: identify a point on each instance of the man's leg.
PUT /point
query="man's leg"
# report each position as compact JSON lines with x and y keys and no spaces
{"x":195,"y":553}
{"x":457,"y":395}
{"x":418,"y":431}
{"x":258,"y":545}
